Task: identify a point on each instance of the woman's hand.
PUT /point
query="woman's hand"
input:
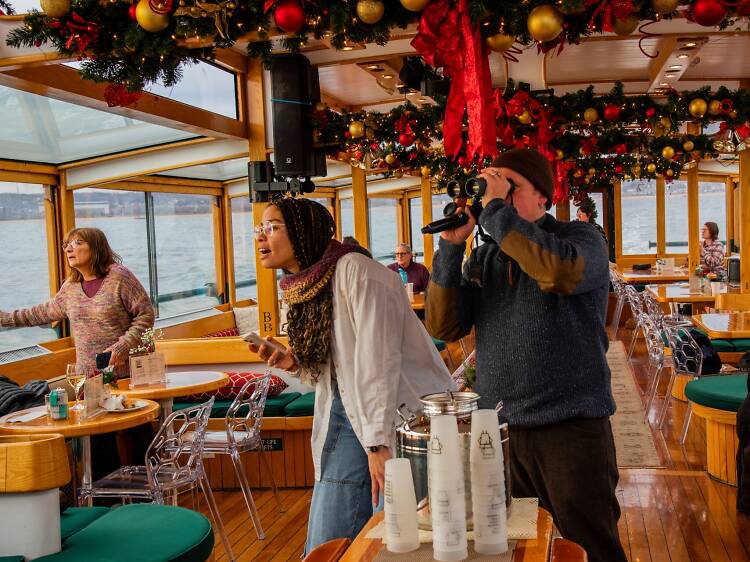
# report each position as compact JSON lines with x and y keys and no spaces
{"x":118,"y":357}
{"x":285,"y":360}
{"x":376,"y":463}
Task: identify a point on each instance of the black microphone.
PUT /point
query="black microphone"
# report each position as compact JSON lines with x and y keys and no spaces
{"x":447,"y":223}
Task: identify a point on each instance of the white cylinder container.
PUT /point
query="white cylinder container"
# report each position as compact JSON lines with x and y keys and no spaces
{"x":30,"y":524}
{"x":400,"y":506}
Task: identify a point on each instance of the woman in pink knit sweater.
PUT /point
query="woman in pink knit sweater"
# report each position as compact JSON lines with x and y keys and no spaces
{"x":106,"y":305}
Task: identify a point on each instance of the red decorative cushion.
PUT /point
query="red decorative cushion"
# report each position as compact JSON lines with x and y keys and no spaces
{"x":236,"y":381}
{"x":224,"y":333}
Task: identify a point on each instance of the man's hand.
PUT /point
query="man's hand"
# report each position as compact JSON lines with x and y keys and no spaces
{"x":461,"y":234}
{"x":497,"y":186}
{"x":376,"y":463}
{"x":274,"y":358}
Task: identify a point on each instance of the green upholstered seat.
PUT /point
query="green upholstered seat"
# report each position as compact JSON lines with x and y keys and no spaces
{"x":302,"y":406}
{"x":741,"y":344}
{"x":723,"y":392}
{"x":440,"y":344}
{"x":274,"y":405}
{"x":74,"y":519}
{"x":12,"y":559}
{"x":722,"y":345}
{"x":143,"y":532}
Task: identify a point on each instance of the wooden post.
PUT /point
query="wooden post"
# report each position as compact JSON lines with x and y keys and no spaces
{"x":405,"y":217}
{"x":694,"y":255}
{"x":217,"y":219}
{"x":337,"y":215}
{"x":359,"y":205}
{"x":562,"y":211}
{"x":743,"y":227}
{"x":67,"y":216}
{"x":429,"y":243}
{"x":729,"y":198}
{"x":231,"y":288}
{"x":54,"y":262}
{"x":617,"y":200}
{"x":661,"y":231}
{"x":268,"y":307}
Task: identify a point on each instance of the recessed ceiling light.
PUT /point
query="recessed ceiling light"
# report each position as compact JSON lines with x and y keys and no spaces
{"x":387,"y":76}
{"x":665,"y":84}
{"x":347,"y":48}
{"x":691,"y":44}
{"x":669,"y":75}
{"x":675,"y":67}
{"x":683,"y":56}
{"x":422,"y":100}
{"x":373,"y":67}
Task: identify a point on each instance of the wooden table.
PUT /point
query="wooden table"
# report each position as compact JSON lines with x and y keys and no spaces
{"x":536,"y":550}
{"x":178,"y":384}
{"x":418,"y":302}
{"x":636,"y":277}
{"x":681,"y":293}
{"x":80,"y":430}
{"x":726,"y":325}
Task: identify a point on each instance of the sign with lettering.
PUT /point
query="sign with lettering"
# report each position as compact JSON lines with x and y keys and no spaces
{"x":93,"y":394}
{"x":272,"y":444}
{"x":147,"y":369}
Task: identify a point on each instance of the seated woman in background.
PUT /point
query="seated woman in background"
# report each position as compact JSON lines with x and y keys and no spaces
{"x":354,"y":337}
{"x":712,"y":250}
{"x":587,"y":213}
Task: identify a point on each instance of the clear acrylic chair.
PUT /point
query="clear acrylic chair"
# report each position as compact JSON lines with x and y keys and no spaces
{"x":635,"y":300}
{"x":243,"y":423}
{"x":619,"y":289}
{"x":652,"y":331}
{"x":173,"y":465}
{"x":687,"y":359}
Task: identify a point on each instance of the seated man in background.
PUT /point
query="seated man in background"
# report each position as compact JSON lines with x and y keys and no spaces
{"x":410,"y":271}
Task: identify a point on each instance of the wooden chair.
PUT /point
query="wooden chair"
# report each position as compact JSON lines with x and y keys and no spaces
{"x":733,"y":301}
{"x":329,"y":551}
{"x":564,"y":550}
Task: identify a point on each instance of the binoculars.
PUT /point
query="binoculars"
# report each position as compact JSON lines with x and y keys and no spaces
{"x":474,"y":187}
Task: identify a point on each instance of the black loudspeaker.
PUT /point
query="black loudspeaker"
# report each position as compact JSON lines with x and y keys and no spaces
{"x":295,"y":89}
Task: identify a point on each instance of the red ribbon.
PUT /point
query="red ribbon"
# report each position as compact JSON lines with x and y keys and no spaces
{"x":447,"y":38}
{"x":78,"y":31}
{"x":610,"y":10}
{"x":116,"y":95}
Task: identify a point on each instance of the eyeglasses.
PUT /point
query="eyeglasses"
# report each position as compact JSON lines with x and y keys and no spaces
{"x":73,"y":244}
{"x":402,"y":254}
{"x":267,"y":228}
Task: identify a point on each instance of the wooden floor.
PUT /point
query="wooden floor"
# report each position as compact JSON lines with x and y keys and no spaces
{"x":675,"y":513}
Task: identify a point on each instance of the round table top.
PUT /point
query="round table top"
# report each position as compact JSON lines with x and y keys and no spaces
{"x":76,"y":425}
{"x":178,"y":384}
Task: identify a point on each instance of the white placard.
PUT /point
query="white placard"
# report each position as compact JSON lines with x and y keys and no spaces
{"x":147,"y":369}
{"x":93,"y":394}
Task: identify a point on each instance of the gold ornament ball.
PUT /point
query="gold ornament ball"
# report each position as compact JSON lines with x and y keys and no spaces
{"x":669,"y":172}
{"x":688,"y":146}
{"x":626,"y":26}
{"x":591,"y":115}
{"x":55,"y":8}
{"x":370,"y":11}
{"x":636,"y":170}
{"x":369,"y":133}
{"x":320,"y":106}
{"x":356,"y":128}
{"x":525,"y":117}
{"x":733,"y":114}
{"x":425,"y":171}
{"x":578,"y":173}
{"x":698,"y":107}
{"x":667,"y":152}
{"x":664,"y":7}
{"x":390,"y":159}
{"x":500,"y":42}
{"x":415,"y":5}
{"x":666,"y":122}
{"x":559,"y":154}
{"x":544,"y":23}
{"x":714,"y":107}
{"x":398,"y":174}
{"x":651,"y":168}
{"x":150,"y":20}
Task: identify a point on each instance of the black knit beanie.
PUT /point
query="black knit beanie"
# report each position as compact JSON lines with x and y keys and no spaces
{"x":532,"y":165}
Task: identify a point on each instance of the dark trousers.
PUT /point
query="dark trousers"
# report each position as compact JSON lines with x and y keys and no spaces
{"x":571,"y":467}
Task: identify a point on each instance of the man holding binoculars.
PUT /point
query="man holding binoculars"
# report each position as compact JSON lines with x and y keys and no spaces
{"x":536,"y":292}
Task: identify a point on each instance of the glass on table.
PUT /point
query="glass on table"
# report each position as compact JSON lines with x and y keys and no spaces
{"x":76,"y":375}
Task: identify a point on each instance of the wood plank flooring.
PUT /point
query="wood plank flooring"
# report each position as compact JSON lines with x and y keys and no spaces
{"x":675,"y":513}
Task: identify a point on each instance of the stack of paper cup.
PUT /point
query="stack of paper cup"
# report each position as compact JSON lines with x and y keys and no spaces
{"x":401,"y":534}
{"x":488,"y":484}
{"x":446,"y":488}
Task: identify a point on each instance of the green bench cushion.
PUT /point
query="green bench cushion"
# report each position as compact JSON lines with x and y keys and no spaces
{"x":741,"y":344}
{"x":722,"y":345}
{"x":302,"y":406}
{"x":74,"y":519}
{"x":723,"y":392}
{"x":274,"y":407}
{"x":143,"y":532}
{"x":440,"y":344}
{"x":12,"y":559}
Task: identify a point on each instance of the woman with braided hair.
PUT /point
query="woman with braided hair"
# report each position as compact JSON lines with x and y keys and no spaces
{"x":587,"y":213}
{"x":354,"y":337}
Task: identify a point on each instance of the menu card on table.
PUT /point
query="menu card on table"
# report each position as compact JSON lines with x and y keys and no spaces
{"x":147,"y":369}
{"x":93,"y":394}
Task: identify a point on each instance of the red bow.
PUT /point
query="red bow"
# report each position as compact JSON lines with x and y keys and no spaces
{"x":447,"y":37}
{"x":78,"y":31}
{"x":116,"y":95}
{"x":610,"y":10}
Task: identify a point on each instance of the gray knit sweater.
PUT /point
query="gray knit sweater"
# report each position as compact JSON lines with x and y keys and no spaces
{"x":538,"y":301}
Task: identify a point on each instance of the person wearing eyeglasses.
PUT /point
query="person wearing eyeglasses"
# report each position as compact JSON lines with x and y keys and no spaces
{"x":354,"y":338}
{"x":106,"y":305}
{"x":409,"y":270}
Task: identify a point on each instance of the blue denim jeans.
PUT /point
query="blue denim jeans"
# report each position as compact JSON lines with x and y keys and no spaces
{"x":342,"y":499}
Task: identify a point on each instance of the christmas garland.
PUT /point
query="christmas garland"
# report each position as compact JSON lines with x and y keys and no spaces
{"x":590,"y":140}
{"x":134,"y":44}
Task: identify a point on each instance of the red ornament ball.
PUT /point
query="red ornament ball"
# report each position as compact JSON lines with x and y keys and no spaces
{"x":289,"y":15}
{"x":347,"y":134}
{"x":131,"y":12}
{"x":359,"y":155}
{"x":708,"y":12}
{"x":611,"y":112}
{"x":618,"y":169}
{"x":462,"y":160}
{"x":621,"y":148}
{"x":651,"y":112}
{"x":405,"y":139}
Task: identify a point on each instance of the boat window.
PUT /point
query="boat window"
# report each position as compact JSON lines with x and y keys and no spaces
{"x":222,"y":171}
{"x":415,"y":220}
{"x":243,"y":243}
{"x":639,"y":217}
{"x":383,"y":229}
{"x":675,"y":220}
{"x":347,"y":218}
{"x":24,"y":6}
{"x":24,"y":281}
{"x":712,"y":206}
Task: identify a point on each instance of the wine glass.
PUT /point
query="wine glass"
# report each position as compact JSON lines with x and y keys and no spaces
{"x":76,"y":375}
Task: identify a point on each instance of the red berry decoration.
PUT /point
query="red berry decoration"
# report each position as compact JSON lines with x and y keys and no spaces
{"x":708,"y":13}
{"x":289,"y":15}
{"x":611,"y":112}
{"x":618,"y":169}
{"x":650,"y":112}
{"x":621,"y":148}
{"x":359,"y":155}
{"x":405,"y":139}
{"x":131,"y":12}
